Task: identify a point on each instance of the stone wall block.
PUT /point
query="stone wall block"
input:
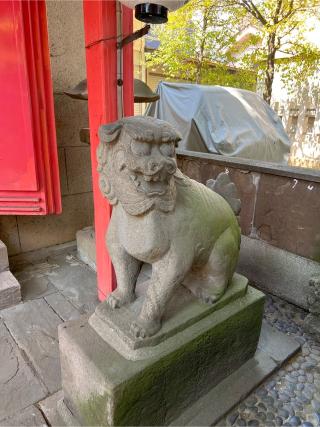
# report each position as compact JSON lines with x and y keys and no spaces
{"x":78,"y":165}
{"x":9,"y":234}
{"x":191,"y":168}
{"x":39,"y":232}
{"x":287,"y":215}
{"x":71,"y":116}
{"x":277,"y":271}
{"x":66,"y":43}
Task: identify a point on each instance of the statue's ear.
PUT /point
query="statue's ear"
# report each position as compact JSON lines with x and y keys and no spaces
{"x":109,"y":133}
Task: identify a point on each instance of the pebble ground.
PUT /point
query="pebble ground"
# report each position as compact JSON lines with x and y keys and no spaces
{"x":291,"y":396}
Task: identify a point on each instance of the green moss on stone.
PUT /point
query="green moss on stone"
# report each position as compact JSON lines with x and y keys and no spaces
{"x":94,"y":410}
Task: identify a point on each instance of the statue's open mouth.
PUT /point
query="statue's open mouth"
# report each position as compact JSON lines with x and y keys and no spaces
{"x":150,"y":185}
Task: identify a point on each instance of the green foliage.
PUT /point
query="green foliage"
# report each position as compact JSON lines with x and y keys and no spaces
{"x":194,"y":46}
{"x":200,"y":43}
{"x":282,"y":30}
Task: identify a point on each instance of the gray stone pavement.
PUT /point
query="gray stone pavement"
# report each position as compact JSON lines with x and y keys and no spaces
{"x":61,"y":287}
{"x":54,"y":290}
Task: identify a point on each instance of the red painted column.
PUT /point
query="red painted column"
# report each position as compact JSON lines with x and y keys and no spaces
{"x":100,"y":22}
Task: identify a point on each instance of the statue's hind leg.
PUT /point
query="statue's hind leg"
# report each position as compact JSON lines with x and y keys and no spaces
{"x":209,"y":282}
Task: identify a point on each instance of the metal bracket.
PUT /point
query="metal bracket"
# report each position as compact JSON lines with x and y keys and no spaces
{"x":134,"y":36}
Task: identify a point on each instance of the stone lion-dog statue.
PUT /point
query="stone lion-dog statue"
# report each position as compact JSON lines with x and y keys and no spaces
{"x":185,"y":230}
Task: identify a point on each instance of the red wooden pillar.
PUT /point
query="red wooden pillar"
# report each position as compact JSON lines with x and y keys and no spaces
{"x":100,"y":24}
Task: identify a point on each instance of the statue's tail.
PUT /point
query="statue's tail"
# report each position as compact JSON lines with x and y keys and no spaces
{"x":227,"y":189}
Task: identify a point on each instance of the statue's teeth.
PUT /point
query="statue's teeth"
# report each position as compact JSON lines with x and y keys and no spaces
{"x":147,"y":178}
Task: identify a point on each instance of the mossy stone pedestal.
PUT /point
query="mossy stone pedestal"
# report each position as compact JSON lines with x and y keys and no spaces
{"x":101,"y":387}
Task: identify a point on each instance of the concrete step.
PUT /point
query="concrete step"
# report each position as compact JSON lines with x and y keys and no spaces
{"x":86,"y":246}
{"x":4,"y":262}
{"x":10,"y":293}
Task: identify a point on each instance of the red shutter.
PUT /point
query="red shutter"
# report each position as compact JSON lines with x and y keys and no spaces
{"x":29,"y":174}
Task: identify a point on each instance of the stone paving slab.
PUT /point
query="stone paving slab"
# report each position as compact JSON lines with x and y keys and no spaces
{"x":49,"y":407}
{"x":76,"y":281}
{"x":28,"y":271}
{"x":278,"y":346}
{"x":19,"y":387}
{"x":62,"y":307}
{"x":214,"y":405}
{"x":34,"y":325}
{"x":29,"y":417}
{"x":36,"y":287}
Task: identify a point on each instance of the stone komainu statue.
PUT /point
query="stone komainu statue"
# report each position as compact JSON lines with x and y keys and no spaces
{"x":185,"y":230}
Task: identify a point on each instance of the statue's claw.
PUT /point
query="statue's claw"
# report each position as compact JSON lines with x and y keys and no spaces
{"x":113,"y":302}
{"x":117,"y":300}
{"x":137,"y":331}
{"x":143,"y":329}
{"x":206,"y":298}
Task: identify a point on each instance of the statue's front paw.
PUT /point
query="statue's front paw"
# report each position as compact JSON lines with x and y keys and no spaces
{"x":137,"y":330}
{"x":117,"y":299}
{"x":206,"y":297}
{"x":113,"y":302}
{"x":142,"y":329}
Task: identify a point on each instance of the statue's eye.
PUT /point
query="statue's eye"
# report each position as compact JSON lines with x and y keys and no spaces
{"x":167,"y":149}
{"x":141,"y":148}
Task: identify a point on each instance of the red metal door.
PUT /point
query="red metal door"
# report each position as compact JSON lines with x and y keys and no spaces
{"x":29,"y":174}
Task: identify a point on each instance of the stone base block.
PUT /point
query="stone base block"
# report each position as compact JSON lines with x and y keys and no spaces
{"x":182,"y":311}
{"x":103,"y":388}
{"x":312,"y":325}
{"x":10,"y":293}
{"x":277,"y":271}
{"x":86,"y":246}
{"x":4,"y":262}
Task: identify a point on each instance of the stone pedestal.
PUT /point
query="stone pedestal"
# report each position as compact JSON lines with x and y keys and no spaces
{"x":10,"y":293}
{"x":86,"y":246}
{"x":102,"y":387}
{"x":312,"y":325}
{"x":4,"y":262}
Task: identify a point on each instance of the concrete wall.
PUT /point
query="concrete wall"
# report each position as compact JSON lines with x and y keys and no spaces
{"x":26,"y":233}
{"x":280,"y":204}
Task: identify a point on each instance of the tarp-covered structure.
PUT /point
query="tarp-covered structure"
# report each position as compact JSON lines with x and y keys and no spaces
{"x":222,"y":120}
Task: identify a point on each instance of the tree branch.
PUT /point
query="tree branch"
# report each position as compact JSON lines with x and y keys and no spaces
{"x":253,"y":10}
{"x":277,"y":12}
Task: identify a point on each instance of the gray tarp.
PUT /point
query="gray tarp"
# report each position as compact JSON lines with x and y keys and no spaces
{"x":222,"y":120}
